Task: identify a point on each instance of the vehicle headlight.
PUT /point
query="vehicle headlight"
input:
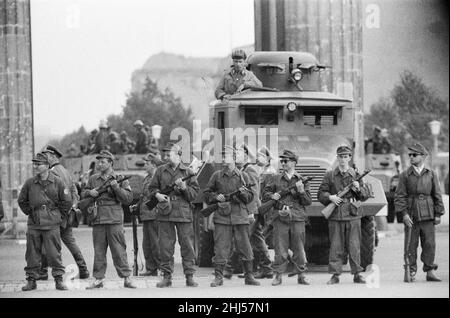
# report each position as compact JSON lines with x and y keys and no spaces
{"x":291,"y":106}
{"x":297,"y":75}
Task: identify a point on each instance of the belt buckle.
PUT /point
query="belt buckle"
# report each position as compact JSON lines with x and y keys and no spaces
{"x":421,"y":196}
{"x":173,"y":198}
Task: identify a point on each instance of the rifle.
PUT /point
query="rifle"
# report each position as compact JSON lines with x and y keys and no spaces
{"x":266,"y":206}
{"x":151,"y":204}
{"x":330,"y":207}
{"x":134,"y":219}
{"x":86,"y":202}
{"x":213,"y":207}
{"x":407,"y":266}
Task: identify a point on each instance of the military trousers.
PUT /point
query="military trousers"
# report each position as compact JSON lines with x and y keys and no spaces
{"x":259,"y":246}
{"x":150,"y":245}
{"x":69,"y":241}
{"x":345,"y":239}
{"x":50,"y":240}
{"x":289,"y":236}
{"x":167,"y":235}
{"x":425,"y":232}
{"x":224,"y":234}
{"x":111,"y":235}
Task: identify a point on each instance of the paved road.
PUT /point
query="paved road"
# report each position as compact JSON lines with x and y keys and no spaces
{"x":388,"y":260}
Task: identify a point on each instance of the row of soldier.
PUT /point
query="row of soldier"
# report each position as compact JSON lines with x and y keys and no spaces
{"x":47,"y":198}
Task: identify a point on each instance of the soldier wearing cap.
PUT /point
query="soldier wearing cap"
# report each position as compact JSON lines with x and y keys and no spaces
{"x":289,"y":220}
{"x":107,"y":220}
{"x":231,"y":220}
{"x":174,"y":214}
{"x":344,"y":224}
{"x":142,"y":137}
{"x":262,"y":262}
{"x":236,"y":79}
{"x":418,"y":198}
{"x":45,"y":199}
{"x":53,"y":156}
{"x":150,"y":243}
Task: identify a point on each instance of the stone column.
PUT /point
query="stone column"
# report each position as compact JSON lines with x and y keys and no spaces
{"x":16,"y":111}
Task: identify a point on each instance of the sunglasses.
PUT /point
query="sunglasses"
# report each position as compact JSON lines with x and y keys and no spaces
{"x":284,"y":161}
{"x":413,"y":154}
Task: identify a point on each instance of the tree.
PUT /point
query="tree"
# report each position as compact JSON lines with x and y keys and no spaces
{"x":78,"y":137}
{"x":407,"y":112}
{"x":152,"y":106}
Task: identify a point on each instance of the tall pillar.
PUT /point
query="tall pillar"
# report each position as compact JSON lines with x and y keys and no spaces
{"x":16,"y":111}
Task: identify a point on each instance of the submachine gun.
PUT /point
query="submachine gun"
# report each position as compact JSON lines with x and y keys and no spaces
{"x":326,"y":212}
{"x":153,"y":202}
{"x":267,"y":206}
{"x":213,"y":207}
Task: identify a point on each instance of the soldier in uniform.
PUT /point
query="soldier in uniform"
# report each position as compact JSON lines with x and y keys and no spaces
{"x":127,"y":144}
{"x":107,"y":220}
{"x":236,"y":79}
{"x":142,"y":137}
{"x":45,"y":199}
{"x":289,"y":221}
{"x":101,"y":139}
{"x":174,"y":215}
{"x":53,"y":156}
{"x":231,"y":220}
{"x":418,"y":199}
{"x":344,"y":224}
{"x":150,"y":243}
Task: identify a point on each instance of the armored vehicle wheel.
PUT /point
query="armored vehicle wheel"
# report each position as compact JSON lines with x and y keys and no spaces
{"x":368,"y":233}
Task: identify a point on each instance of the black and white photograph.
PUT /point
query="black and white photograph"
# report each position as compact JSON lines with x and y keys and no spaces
{"x":219,"y":155}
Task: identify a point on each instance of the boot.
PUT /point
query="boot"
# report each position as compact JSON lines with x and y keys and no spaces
{"x":98,"y":283}
{"x":249,"y":279}
{"x":431,"y":277}
{"x":190,"y":281}
{"x":59,"y":284}
{"x":264,"y":274}
{"x":43,"y":275}
{"x":359,"y":279}
{"x":150,"y":273}
{"x":333,"y":280}
{"x":413,"y":276}
{"x":227,"y":274}
{"x":84,"y":273}
{"x":166,"y":281}
{"x":277,"y":280}
{"x":218,"y":276}
{"x":302,"y":280}
{"x":31,"y":285}
{"x":128,"y":283}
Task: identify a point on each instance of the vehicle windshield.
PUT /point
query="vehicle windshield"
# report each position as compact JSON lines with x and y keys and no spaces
{"x":323,"y":146}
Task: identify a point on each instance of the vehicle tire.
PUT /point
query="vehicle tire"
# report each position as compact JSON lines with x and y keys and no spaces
{"x":368,"y":233}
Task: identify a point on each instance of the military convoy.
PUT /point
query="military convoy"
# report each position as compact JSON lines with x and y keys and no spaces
{"x":310,"y":122}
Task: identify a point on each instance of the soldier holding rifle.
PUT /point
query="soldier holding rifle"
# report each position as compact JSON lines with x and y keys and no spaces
{"x":107,"y":219}
{"x":289,"y":222}
{"x":174,"y":214}
{"x":418,"y":198}
{"x":231,"y":220}
{"x":344,"y":223}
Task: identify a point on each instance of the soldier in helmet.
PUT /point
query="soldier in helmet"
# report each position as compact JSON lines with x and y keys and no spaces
{"x":101,"y":139}
{"x":142,"y":137}
{"x":45,"y":200}
{"x":236,"y":79}
{"x":344,"y":223}
{"x":418,"y":199}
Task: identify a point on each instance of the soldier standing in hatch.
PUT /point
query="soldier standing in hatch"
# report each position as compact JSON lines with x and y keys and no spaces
{"x":67,"y":238}
{"x":101,"y":139}
{"x":418,"y":198}
{"x":142,"y":137}
{"x":45,"y":199}
{"x":231,"y":220}
{"x":236,"y":79}
{"x":289,"y":220}
{"x":174,"y":215}
{"x":107,"y":220}
{"x":344,"y":224}
{"x":150,"y":243}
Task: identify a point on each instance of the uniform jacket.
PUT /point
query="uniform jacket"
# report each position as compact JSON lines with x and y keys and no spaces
{"x":142,"y":142}
{"x":333,"y":182}
{"x":231,"y":81}
{"x":254,"y":174}
{"x":44,"y":201}
{"x":418,"y":195}
{"x":224,"y":182}
{"x":146,"y":213}
{"x":296,"y":202}
{"x":179,"y":199}
{"x":109,"y":209}
{"x":100,"y":141}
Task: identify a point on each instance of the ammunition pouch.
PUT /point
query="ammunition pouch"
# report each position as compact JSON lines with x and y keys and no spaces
{"x":92,"y":213}
{"x":164,"y":208}
{"x":224,"y":208}
{"x":285,"y":214}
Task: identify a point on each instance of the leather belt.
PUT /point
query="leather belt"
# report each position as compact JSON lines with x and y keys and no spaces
{"x":345,"y":200}
{"x":105,"y":202}
{"x":421,"y":196}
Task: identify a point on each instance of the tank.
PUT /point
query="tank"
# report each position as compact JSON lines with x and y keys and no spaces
{"x":313,"y":125}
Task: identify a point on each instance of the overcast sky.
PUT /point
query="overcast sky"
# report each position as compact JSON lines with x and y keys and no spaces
{"x":85,"y":51}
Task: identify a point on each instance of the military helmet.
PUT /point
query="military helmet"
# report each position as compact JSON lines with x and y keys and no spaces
{"x":138,"y":123}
